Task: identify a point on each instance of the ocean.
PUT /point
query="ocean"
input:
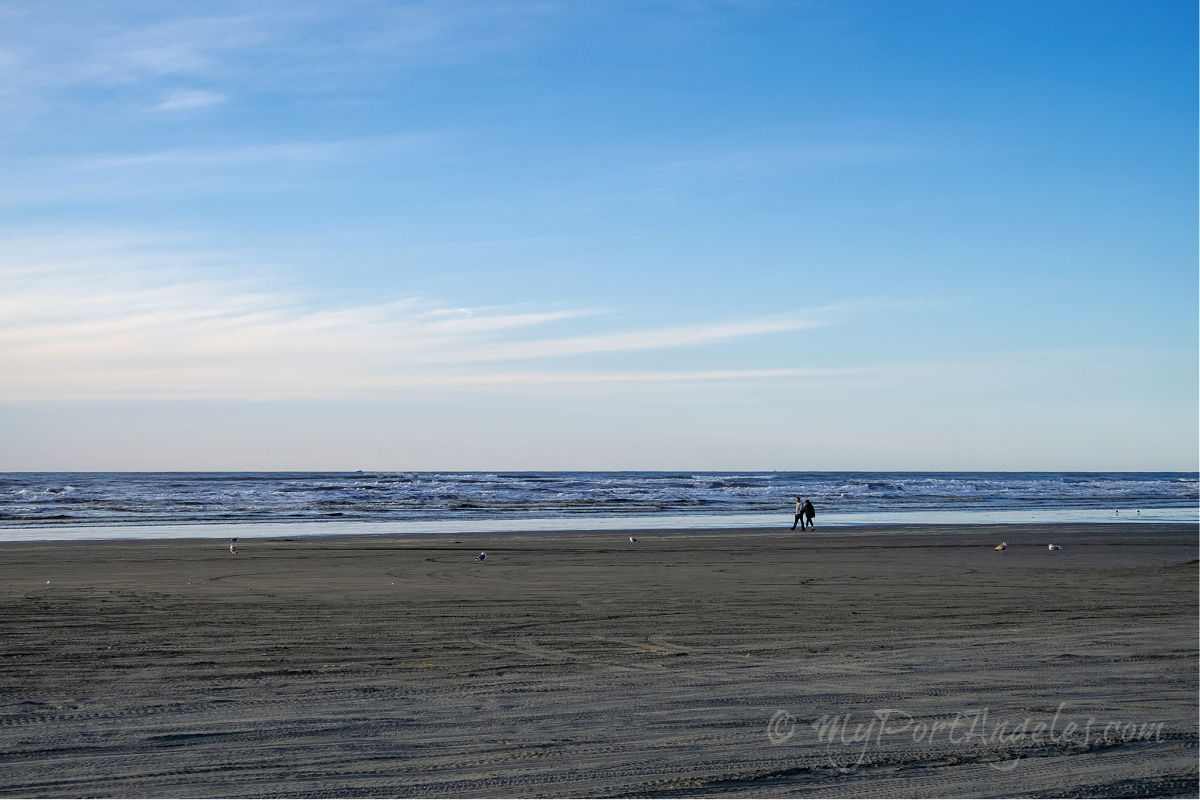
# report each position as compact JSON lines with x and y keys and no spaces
{"x":69,"y":505}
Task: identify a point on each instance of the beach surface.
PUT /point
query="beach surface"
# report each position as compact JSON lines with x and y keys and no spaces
{"x":897,"y":662}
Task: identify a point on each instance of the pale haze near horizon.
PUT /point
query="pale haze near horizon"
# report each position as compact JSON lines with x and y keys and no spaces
{"x":466,"y":235}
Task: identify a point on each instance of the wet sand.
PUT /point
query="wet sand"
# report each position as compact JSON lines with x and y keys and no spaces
{"x":902,"y":662}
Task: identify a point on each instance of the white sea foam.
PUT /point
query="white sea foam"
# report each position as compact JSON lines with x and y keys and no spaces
{"x":839,"y":523}
{"x":702,"y":498}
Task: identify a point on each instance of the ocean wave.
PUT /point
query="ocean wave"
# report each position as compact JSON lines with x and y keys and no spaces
{"x":115,"y":498}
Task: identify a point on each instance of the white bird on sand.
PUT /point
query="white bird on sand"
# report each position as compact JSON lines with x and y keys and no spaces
{"x":1054,"y":547}
{"x":1001,"y":546}
{"x":233,"y":545}
{"x":633,"y":539}
{"x":481,"y":557}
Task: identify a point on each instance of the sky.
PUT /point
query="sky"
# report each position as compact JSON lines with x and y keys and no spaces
{"x":625,"y":235}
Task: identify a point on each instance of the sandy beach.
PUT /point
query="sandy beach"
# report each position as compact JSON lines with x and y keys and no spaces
{"x":898,"y":662}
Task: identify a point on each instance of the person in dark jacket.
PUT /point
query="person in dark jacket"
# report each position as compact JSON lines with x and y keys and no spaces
{"x":809,"y":513}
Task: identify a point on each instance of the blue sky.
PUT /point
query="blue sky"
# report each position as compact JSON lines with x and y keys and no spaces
{"x":554,"y":235}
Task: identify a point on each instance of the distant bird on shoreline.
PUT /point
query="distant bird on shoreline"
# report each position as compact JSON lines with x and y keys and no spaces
{"x":633,"y":539}
{"x":233,"y":545}
{"x":1001,"y":546}
{"x":1054,"y":547}
{"x":481,"y":557}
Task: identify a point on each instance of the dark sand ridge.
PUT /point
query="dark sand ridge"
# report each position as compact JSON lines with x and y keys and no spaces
{"x":584,"y":665}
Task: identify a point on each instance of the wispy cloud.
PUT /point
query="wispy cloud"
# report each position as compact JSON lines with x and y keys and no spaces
{"x":603,"y":377}
{"x":218,"y":157}
{"x":49,"y":52}
{"x":241,"y":155}
{"x":77,"y":322}
{"x":653,"y":339}
{"x":105,"y":177}
{"x":737,"y":159}
{"x":189,"y":100}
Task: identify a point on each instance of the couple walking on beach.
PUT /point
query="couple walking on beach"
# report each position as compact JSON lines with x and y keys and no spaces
{"x":804,"y":514}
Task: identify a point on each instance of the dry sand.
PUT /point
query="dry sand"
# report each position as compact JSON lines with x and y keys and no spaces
{"x":688,"y":664}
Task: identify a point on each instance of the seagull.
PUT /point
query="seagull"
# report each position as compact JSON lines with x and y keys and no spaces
{"x":1054,"y":547}
{"x":633,"y":539}
{"x":233,"y":545}
{"x":1001,"y":546}
{"x":481,"y":557}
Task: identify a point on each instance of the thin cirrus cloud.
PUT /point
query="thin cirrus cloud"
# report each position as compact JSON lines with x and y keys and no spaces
{"x":676,"y":336}
{"x":663,"y":377}
{"x":737,"y":159}
{"x":94,"y":330}
{"x":45,"y":49}
{"x":103,"y":177}
{"x":49,"y":50}
{"x":242,"y":155}
{"x":190,"y":100}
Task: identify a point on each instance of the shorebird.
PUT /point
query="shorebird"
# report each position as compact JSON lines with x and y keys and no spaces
{"x":1054,"y":547}
{"x":633,"y":539}
{"x":481,"y":557}
{"x":233,"y":545}
{"x":1001,"y":546}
